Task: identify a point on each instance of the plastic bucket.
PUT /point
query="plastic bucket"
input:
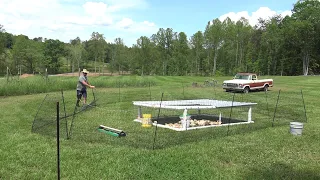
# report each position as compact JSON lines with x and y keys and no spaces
{"x":146,"y":120}
{"x":296,"y":128}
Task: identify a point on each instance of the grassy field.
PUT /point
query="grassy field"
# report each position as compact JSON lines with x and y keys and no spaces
{"x":255,"y":151}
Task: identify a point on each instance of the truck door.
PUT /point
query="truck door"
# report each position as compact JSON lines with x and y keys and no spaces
{"x":252,"y":79}
{"x":256,"y":82}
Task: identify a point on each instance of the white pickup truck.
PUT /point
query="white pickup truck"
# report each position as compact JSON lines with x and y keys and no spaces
{"x":246,"y":82}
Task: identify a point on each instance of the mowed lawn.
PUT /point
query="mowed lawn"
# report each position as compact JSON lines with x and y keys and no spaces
{"x":256,"y":151}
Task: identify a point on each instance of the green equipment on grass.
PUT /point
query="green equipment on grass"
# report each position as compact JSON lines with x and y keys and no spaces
{"x":111,"y":131}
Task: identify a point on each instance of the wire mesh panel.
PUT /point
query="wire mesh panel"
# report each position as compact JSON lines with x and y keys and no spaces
{"x":119,"y":107}
{"x":45,"y":121}
{"x":289,"y":107}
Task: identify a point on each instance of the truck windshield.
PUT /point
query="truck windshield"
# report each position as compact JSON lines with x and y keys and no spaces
{"x":241,"y":76}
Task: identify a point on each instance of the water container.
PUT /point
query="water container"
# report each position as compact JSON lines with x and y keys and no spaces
{"x":146,"y":120}
{"x":296,"y":128}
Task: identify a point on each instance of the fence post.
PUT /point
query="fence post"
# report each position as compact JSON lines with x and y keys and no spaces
{"x":155,"y":131}
{"x":58,"y":142}
{"x":304,"y":106}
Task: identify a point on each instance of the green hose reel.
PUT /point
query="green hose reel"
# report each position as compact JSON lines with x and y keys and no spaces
{"x":111,"y":131}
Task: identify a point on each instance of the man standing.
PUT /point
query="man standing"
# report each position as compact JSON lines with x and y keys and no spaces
{"x":82,"y":87}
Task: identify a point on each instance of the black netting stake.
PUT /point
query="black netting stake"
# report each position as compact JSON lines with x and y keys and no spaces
{"x":230,"y":114}
{"x":155,"y":131}
{"x":304,"y":106}
{"x":275,"y":110}
{"x":65,"y":113}
{"x":58,"y":142}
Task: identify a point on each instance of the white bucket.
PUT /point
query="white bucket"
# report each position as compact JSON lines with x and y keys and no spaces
{"x":296,"y":128}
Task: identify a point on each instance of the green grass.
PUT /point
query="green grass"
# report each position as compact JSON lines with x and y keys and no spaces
{"x":258,"y":151}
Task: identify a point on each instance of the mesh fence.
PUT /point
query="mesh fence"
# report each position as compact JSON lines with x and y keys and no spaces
{"x":114,"y":108}
{"x":45,"y":121}
{"x":55,"y":107}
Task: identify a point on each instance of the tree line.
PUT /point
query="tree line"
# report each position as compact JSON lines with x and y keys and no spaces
{"x":276,"y":46}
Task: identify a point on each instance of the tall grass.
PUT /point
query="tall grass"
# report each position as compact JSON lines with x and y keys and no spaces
{"x":37,"y":84}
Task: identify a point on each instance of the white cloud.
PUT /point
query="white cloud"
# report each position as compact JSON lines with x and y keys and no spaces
{"x":128,"y":25}
{"x":95,"y":9}
{"x":262,"y":12}
{"x":125,"y":23}
{"x":135,"y":30}
{"x":67,"y":19}
{"x":117,"y":5}
{"x":20,"y":7}
{"x":150,"y":24}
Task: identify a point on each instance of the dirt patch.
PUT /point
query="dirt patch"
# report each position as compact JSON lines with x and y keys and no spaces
{"x":90,"y":74}
{"x":26,"y":75}
{"x":67,"y":74}
{"x":94,"y":74}
{"x":76,"y":74}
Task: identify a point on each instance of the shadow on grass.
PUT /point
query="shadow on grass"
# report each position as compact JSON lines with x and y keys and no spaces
{"x":281,"y":171}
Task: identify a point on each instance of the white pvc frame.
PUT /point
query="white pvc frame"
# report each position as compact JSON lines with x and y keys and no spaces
{"x":194,"y":104}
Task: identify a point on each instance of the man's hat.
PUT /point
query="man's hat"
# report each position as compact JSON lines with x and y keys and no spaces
{"x":85,"y":71}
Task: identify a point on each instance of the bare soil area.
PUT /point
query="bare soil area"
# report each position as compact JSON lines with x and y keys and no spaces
{"x":26,"y":75}
{"x":76,"y":74}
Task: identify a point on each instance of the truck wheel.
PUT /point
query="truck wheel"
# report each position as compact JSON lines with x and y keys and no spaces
{"x":246,"y":90}
{"x":265,"y":89}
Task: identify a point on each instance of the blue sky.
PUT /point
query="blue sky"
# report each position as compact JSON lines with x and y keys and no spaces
{"x":127,"y":19}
